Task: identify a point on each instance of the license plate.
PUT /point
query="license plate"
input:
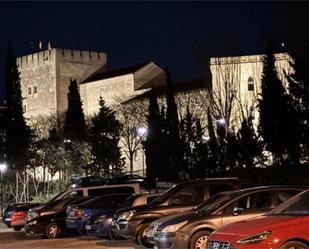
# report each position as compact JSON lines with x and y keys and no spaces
{"x":88,"y":227}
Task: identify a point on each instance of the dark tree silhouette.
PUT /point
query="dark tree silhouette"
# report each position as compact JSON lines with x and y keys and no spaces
{"x":249,"y":147}
{"x":277,"y":117}
{"x":176,"y":152}
{"x":104,"y":140}
{"x":155,"y":146}
{"x":17,"y":132}
{"x":74,"y":125}
{"x":299,"y":90}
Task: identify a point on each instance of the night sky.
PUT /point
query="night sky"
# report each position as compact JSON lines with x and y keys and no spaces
{"x":178,"y":35}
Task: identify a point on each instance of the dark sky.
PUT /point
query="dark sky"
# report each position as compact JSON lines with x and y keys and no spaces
{"x":178,"y":35}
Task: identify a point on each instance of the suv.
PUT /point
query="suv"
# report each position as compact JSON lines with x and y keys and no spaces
{"x":131,"y":188}
{"x":132,"y":223}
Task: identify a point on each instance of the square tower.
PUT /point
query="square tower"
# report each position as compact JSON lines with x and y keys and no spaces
{"x":45,"y":77}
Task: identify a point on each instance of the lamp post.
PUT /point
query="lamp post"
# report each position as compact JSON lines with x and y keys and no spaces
{"x":3,"y":168}
{"x":142,"y":132}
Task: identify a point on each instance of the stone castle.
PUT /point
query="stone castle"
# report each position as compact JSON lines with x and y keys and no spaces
{"x":45,"y":78}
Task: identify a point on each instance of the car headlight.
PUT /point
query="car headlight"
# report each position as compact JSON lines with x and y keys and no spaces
{"x":254,"y":239}
{"x":127,"y":215}
{"x":174,"y":228}
{"x":32,"y":214}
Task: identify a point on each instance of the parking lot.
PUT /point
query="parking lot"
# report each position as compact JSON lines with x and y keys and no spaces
{"x":17,"y":240}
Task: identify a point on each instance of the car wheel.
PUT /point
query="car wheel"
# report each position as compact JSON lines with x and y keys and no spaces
{"x":199,"y":239}
{"x":17,"y":228}
{"x":52,"y":230}
{"x":294,"y":245}
{"x":141,"y":236}
{"x":112,"y":235}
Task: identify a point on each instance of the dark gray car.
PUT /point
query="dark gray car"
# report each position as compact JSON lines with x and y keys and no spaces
{"x":191,"y":229}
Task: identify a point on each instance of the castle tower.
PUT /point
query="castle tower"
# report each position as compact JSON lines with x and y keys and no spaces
{"x":45,"y":77}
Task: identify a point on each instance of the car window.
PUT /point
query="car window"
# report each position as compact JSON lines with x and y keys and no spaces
{"x":104,"y":191}
{"x":284,"y":195}
{"x":191,"y":194}
{"x":217,"y":188}
{"x":255,"y":201}
{"x":151,"y":198}
{"x":74,"y":193}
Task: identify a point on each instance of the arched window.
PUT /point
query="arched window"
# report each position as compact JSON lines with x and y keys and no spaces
{"x":250,"y":84}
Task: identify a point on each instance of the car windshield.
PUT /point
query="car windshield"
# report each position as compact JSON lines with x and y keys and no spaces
{"x":167,"y":194}
{"x":213,"y":203}
{"x":297,"y":205}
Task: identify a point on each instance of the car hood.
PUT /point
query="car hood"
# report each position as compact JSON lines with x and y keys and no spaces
{"x":175,"y":218}
{"x":258,"y":224}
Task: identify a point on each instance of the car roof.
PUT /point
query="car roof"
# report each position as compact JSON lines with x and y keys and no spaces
{"x":266,"y":187}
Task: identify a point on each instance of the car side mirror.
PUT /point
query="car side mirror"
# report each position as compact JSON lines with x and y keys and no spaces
{"x":237,"y":211}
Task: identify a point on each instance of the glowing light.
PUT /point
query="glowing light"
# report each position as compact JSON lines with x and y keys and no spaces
{"x":142,"y":131}
{"x":3,"y":167}
{"x":221,"y":121}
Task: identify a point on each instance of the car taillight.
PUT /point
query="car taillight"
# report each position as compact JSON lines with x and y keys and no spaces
{"x":79,"y":213}
{"x":18,"y":215}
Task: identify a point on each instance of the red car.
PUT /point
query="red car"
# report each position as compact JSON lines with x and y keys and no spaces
{"x":285,"y":227}
{"x":18,"y":220}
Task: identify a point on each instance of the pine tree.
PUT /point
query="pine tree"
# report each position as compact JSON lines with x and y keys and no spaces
{"x":104,"y":140}
{"x":75,"y":125}
{"x":249,"y":147}
{"x":277,"y":117}
{"x":17,"y":132}
{"x":191,"y":136}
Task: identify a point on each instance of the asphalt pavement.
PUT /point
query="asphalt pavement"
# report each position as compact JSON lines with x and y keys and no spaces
{"x":10,"y":239}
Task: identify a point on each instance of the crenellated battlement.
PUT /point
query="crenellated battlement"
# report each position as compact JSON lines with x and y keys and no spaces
{"x":68,"y":55}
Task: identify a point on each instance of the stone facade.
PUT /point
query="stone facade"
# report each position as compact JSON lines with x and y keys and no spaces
{"x":242,"y":76}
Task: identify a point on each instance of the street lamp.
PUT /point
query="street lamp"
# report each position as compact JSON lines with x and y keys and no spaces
{"x":3,"y":168}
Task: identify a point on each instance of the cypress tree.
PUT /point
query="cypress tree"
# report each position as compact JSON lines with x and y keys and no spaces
{"x":75,"y":125}
{"x":299,"y":91}
{"x":17,"y":132}
{"x":155,"y":148}
{"x":176,"y":154}
{"x":104,"y":140}
{"x":277,"y":117}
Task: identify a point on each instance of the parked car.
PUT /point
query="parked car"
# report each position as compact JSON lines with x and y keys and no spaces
{"x":131,"y":188}
{"x":19,"y":213}
{"x":101,"y":227}
{"x":132,"y":223}
{"x":285,"y":227}
{"x":191,"y":229}
{"x":49,"y":220}
{"x":88,"y":181}
{"x":81,"y":217}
